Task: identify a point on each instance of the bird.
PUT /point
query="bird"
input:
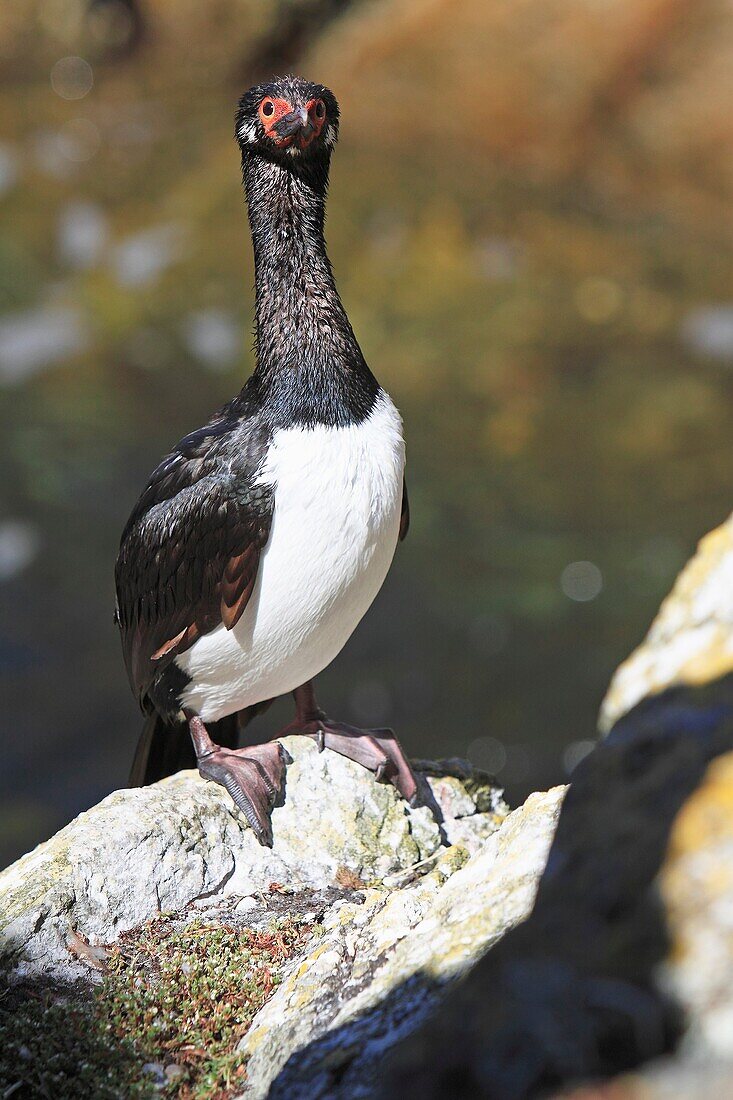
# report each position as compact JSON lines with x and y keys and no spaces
{"x":263,"y":537}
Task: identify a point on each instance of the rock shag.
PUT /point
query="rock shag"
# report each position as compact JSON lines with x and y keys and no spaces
{"x":261,"y":540}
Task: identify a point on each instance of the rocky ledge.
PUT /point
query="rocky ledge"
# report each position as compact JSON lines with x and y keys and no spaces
{"x":391,"y":903}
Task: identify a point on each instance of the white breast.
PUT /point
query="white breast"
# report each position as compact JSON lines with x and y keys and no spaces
{"x":338,"y":497}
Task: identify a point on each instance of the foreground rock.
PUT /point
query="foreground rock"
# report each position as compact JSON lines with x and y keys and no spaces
{"x":382,"y":963}
{"x":627,"y":958}
{"x":696,"y":884}
{"x":398,"y":904}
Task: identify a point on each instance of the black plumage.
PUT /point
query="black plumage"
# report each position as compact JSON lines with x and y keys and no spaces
{"x":189,"y":553}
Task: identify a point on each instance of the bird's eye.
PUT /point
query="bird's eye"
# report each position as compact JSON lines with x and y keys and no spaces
{"x":320,"y":109}
{"x":267,"y":108}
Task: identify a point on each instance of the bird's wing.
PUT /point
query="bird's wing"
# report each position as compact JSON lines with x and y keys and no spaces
{"x":405,"y":515}
{"x":190,"y":552}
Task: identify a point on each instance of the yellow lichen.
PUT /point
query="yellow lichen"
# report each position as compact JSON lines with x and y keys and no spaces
{"x":697,"y":874}
{"x":707,"y":816}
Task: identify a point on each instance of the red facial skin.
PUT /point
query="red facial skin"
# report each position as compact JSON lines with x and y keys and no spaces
{"x":282,"y":108}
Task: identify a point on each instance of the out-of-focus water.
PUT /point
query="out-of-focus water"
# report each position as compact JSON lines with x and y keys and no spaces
{"x":563,"y":364}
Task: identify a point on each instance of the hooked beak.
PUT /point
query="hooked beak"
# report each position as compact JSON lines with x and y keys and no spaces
{"x":296,"y":123}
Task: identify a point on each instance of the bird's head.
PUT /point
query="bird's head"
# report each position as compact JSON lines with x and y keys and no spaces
{"x":288,"y":119}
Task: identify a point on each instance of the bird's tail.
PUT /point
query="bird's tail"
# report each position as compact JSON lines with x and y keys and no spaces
{"x":165,"y":748}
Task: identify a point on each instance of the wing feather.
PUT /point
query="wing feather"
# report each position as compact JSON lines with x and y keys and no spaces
{"x":190,"y":553}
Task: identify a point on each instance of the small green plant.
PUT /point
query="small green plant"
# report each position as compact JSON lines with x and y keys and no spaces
{"x":55,"y":1049}
{"x":187,"y":994}
{"x":175,"y":999}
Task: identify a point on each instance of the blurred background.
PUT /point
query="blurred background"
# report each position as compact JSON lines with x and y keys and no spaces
{"x":530,"y":222}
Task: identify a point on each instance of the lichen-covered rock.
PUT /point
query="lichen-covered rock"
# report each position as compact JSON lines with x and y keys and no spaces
{"x":376,"y":970}
{"x":159,"y":848}
{"x":696,"y":883}
{"x":691,"y":643}
{"x":691,"y":639}
{"x":397,"y":904}
{"x":627,"y":957}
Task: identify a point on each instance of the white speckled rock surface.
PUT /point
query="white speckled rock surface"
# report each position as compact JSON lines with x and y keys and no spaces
{"x":379,"y":965}
{"x":140,"y":852}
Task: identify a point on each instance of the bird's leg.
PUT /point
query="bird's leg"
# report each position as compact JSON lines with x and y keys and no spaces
{"x":378,"y":749}
{"x":253,"y":776}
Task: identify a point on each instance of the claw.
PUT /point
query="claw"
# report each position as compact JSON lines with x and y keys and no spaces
{"x":382,"y":773}
{"x":399,"y":772}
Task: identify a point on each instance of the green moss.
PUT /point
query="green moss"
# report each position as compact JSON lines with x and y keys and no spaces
{"x":176,"y":995}
{"x":57,"y":1049}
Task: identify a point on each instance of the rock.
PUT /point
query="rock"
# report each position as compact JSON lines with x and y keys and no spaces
{"x":668,"y":1079}
{"x":696,"y":883}
{"x":156,"y":1071}
{"x":691,"y":643}
{"x":160,"y":848}
{"x":399,"y":906}
{"x":627,"y":957}
{"x":379,"y":965}
{"x":691,"y":639}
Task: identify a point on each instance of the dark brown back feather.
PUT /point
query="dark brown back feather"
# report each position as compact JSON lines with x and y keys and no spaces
{"x":190,"y":553}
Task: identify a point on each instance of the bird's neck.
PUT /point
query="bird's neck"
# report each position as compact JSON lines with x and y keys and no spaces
{"x":307,"y":354}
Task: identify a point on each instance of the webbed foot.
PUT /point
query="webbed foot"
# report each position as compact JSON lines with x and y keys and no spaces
{"x":377,"y":749}
{"x":253,"y":776}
